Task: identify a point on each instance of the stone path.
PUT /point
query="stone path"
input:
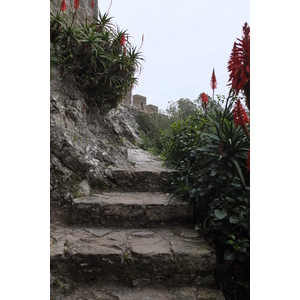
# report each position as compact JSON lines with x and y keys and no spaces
{"x":131,"y":244}
{"x":127,"y":209}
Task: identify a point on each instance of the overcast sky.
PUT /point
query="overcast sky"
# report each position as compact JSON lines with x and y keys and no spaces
{"x":184,"y":41}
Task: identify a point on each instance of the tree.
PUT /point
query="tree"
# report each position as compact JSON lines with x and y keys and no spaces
{"x":181,"y":109}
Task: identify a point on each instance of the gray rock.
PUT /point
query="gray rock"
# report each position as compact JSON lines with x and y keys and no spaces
{"x":82,"y":141}
{"x":130,"y":256}
{"x":84,"y":188}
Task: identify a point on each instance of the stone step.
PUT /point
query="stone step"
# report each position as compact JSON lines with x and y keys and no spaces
{"x":132,"y":257}
{"x":146,"y":173}
{"x":130,"y":209}
{"x":125,"y":293}
{"x":140,"y":179}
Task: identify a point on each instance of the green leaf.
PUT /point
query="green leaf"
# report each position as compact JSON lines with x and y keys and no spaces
{"x":230,"y":242}
{"x":231,"y":236}
{"x":237,"y":165}
{"x":213,"y":136}
{"x":236,"y":247}
{"x":220,"y":214}
{"x":234,"y":220}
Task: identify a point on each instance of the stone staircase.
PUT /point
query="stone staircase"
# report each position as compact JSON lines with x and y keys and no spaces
{"x":132,"y":243}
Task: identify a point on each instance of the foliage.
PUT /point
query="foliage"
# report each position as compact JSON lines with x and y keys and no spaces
{"x":151,"y":127}
{"x":157,"y":128}
{"x":181,"y":139}
{"x":181,"y":109}
{"x":211,"y":154}
{"x":94,"y":53}
{"x":209,"y":145}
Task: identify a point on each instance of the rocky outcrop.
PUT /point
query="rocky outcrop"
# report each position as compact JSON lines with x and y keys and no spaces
{"x":122,"y":238}
{"x":131,"y":245}
{"x":83,"y":142}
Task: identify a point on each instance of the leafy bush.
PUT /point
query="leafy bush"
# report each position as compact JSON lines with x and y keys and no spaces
{"x":210,"y":153}
{"x":151,"y":127}
{"x":157,"y":128}
{"x":97,"y":54}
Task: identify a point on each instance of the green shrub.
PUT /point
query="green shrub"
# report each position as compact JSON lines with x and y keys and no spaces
{"x":96,"y":55}
{"x":153,"y":127}
{"x":210,"y":153}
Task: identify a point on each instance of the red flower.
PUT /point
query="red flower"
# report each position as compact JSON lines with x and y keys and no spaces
{"x":204,"y":98}
{"x":92,"y":4}
{"x":239,"y":114}
{"x":213,"y":82}
{"x":123,"y":40}
{"x":248,"y":161}
{"x":76,"y":4}
{"x":63,"y":5}
{"x":239,"y":62}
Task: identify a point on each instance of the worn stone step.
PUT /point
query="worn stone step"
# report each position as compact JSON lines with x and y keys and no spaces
{"x":130,"y":209}
{"x":139,"y":179}
{"x":133,"y":257}
{"x":140,"y":293}
{"x":147,"y":173}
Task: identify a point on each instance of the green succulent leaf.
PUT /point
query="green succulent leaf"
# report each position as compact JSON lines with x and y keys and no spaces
{"x":220,"y":214}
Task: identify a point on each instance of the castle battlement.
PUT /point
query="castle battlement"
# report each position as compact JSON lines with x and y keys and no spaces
{"x":140,"y":102}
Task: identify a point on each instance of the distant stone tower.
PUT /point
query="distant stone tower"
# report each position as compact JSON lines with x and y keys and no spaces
{"x":140,"y":102}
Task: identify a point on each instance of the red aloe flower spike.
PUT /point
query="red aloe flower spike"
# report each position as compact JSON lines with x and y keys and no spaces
{"x":92,"y":4}
{"x":239,"y":114}
{"x":213,"y":82}
{"x":63,"y":5}
{"x":123,"y":40}
{"x":240,"y":117}
{"x":248,"y":161}
{"x":204,"y":99}
{"x":76,"y":4}
{"x":239,"y":65}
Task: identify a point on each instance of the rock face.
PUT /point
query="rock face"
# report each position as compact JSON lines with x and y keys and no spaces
{"x":122,"y":238}
{"x":84,"y":143}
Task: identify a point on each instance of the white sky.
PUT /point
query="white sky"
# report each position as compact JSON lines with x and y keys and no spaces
{"x":184,"y":41}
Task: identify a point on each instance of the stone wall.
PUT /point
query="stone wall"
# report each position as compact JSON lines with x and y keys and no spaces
{"x":151,"y":108}
{"x":85,"y":7}
{"x":83,"y":143}
{"x":127,"y":100}
{"x":139,"y":102}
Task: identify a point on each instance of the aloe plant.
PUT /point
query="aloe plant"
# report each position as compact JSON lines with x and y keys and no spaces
{"x":95,"y":52}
